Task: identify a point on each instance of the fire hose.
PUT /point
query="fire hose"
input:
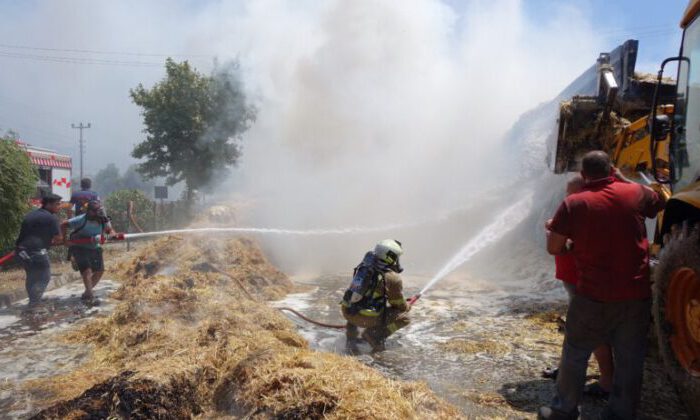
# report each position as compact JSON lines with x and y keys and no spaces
{"x":410,"y":301}
{"x":312,"y":321}
{"x":101,"y":239}
{"x":121,"y":236}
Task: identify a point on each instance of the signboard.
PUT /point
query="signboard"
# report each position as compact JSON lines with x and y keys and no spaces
{"x":60,"y":183}
{"x":161,"y":192}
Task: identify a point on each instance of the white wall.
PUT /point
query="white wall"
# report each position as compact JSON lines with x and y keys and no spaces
{"x":61,"y":183}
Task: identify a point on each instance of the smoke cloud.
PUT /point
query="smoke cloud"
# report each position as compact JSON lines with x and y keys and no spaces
{"x":375,"y":113}
{"x":369,"y":112}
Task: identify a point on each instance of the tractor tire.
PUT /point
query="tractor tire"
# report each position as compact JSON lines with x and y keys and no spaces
{"x":676,"y":311}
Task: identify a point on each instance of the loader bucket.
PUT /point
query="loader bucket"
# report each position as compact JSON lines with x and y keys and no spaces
{"x":582,"y":128}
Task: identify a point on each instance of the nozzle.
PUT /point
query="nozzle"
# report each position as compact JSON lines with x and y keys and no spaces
{"x":412,"y":300}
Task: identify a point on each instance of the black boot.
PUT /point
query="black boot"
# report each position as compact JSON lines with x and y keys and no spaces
{"x":351,"y":332}
{"x":374,"y":340}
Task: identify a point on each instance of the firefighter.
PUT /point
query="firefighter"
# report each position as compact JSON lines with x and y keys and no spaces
{"x":81,"y":198}
{"x":86,"y":257}
{"x":374,"y":301}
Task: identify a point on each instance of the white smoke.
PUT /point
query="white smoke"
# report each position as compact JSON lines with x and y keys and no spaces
{"x":369,"y":112}
{"x":381,"y":112}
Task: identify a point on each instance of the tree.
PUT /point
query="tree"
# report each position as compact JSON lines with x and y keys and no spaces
{"x":133,"y":180}
{"x":116,"y":205}
{"x":108,"y":180}
{"x":18,"y":180}
{"x":193,"y":125}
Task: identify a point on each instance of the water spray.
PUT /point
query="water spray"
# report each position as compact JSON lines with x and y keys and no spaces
{"x":250,"y":230}
{"x":502,"y":224}
{"x":264,"y":231}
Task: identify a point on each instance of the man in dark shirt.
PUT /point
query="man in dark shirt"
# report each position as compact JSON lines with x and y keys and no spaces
{"x":81,"y":198}
{"x":611,"y":304}
{"x":40,"y":229}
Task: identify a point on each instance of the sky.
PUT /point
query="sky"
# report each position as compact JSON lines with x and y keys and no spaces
{"x":46,"y":84}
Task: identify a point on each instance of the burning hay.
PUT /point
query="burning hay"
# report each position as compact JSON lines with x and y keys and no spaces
{"x":193,"y":342}
{"x":139,"y":399}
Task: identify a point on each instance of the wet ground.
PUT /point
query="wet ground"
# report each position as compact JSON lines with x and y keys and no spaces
{"x":479,"y":345}
{"x":30,"y":347}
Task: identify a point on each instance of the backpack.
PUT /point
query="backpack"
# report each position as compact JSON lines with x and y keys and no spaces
{"x":69,"y":254}
{"x":365,"y":281}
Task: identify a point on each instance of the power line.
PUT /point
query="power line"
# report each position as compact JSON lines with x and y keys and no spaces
{"x":78,"y":60}
{"x":90,"y":51}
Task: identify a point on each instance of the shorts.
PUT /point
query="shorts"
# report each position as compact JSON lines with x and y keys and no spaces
{"x":87,"y":258}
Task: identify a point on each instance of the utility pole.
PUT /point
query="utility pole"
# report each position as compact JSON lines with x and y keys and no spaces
{"x":81,"y":127}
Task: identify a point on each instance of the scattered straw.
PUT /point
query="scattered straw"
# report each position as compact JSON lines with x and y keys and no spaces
{"x":464,"y":346}
{"x":193,"y":342}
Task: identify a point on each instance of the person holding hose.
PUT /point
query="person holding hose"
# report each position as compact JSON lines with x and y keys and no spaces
{"x":80,"y":199}
{"x":39,"y":231}
{"x":374,"y":301}
{"x":86,"y":256}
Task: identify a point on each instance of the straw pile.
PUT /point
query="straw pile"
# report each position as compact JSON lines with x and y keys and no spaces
{"x":192,"y":344}
{"x":585,"y":127}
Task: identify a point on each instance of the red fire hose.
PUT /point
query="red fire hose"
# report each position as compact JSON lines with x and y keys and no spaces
{"x":7,"y":257}
{"x":413,"y":299}
{"x":97,"y":239}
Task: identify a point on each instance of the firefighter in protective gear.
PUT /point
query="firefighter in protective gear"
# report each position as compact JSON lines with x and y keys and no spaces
{"x":374,"y":301}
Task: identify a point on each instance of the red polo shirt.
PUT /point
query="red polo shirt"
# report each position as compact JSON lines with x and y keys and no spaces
{"x":606,"y":223}
{"x":566,"y":268}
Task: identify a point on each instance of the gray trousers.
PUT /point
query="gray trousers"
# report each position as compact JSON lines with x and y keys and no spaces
{"x":622,"y":325}
{"x":38,"y":270}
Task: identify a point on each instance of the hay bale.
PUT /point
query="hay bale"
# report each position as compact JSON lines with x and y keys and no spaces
{"x":583,"y":128}
{"x":196,"y":343}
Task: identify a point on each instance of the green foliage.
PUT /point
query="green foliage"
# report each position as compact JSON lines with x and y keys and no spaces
{"x":193,"y":125}
{"x":116,"y":205}
{"x":18,"y":180}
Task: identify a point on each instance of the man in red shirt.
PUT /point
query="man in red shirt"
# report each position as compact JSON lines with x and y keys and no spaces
{"x":567,"y":272}
{"x":606,"y":222}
